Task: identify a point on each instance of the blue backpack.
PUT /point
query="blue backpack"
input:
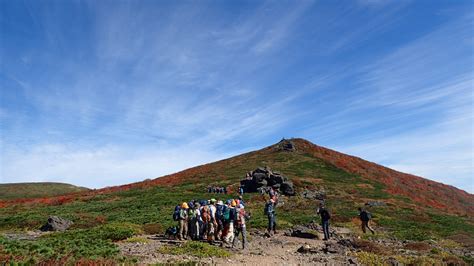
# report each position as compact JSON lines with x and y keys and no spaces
{"x":220,"y":212}
{"x":176,"y":213}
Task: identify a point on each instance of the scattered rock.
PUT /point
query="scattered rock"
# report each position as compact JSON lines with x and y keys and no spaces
{"x":316,"y":194}
{"x":303,"y":232}
{"x":56,"y":223}
{"x":287,"y":188}
{"x":333,"y":247}
{"x":393,"y":262}
{"x":307,"y":249}
{"x":375,"y":203}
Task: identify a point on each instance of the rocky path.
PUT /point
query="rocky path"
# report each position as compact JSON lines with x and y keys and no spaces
{"x":276,"y":250}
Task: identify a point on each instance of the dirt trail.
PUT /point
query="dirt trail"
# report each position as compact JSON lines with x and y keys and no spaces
{"x":276,"y":250}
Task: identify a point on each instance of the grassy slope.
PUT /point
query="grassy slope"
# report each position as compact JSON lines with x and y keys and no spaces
{"x":149,"y":204}
{"x":14,"y":191}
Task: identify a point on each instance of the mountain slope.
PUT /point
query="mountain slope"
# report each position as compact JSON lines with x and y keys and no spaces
{"x":423,"y":192}
{"x":13,"y":191}
{"x":405,"y":209}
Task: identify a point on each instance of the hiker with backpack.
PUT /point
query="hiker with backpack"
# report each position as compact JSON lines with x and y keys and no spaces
{"x":240,"y":227}
{"x":229,"y":217}
{"x":269,"y":211}
{"x":365,"y":218}
{"x":219,"y":220}
{"x":206,"y":219}
{"x":194,"y":219}
{"x":212,"y":225}
{"x":183,"y":221}
{"x":325,"y":217}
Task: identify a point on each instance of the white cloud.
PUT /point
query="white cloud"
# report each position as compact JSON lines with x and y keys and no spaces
{"x":97,"y":167}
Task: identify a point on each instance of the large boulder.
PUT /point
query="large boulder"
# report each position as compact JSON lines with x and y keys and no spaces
{"x":262,"y":183}
{"x":287,"y":188}
{"x":56,"y":223}
{"x":257,"y":177}
{"x":248,"y":185}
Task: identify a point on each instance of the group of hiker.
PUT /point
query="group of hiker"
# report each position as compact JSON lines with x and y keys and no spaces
{"x":212,"y":220}
{"x":216,"y":190}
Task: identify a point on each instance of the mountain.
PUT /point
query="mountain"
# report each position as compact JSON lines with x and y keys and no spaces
{"x":404,"y":208}
{"x":13,"y":191}
{"x":307,"y":166}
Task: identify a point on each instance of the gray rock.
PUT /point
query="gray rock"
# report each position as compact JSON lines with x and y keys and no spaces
{"x":56,"y":223}
{"x":287,"y":188}
{"x":257,"y":177}
{"x":375,"y":203}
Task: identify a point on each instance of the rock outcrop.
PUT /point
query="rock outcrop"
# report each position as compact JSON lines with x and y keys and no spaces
{"x":263,"y":177}
{"x":56,"y":223}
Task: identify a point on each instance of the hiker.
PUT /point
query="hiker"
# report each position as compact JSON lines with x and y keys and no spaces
{"x":269,"y":211}
{"x":241,"y":200}
{"x":212,"y":226}
{"x":193,"y":227}
{"x":183,"y":221}
{"x":325,"y":217}
{"x":206,"y":218}
{"x":229,"y":217}
{"x":224,"y":190}
{"x":219,"y":220}
{"x":241,"y":190}
{"x":239,"y":225}
{"x":365,"y":217}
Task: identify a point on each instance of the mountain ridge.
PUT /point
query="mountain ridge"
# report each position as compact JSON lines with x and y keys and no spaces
{"x":422,"y":191}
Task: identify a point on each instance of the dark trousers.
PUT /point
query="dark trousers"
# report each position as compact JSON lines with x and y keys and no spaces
{"x":271,"y":222}
{"x":325,"y":225}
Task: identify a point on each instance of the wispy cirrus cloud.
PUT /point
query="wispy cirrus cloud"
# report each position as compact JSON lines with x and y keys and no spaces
{"x":118,"y":90}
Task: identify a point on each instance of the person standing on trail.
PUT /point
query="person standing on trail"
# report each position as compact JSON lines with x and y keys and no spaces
{"x":365,"y":217}
{"x":325,"y":217}
{"x":183,"y":221}
{"x":229,"y":221}
{"x":212,"y":225}
{"x":240,"y":227}
{"x":219,"y":220}
{"x":269,"y":211}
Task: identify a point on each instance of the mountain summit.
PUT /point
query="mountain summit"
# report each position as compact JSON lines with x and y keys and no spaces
{"x":311,"y":166}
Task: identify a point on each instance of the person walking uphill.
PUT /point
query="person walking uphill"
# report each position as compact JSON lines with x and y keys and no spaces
{"x":269,"y":211}
{"x":365,"y":217}
{"x":325,"y":217}
{"x":183,"y":221}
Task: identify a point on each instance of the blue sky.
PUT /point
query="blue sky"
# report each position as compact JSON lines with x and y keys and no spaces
{"x":101,"y":93}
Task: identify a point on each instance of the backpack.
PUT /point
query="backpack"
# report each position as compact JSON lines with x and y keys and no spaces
{"x":268,"y":208}
{"x":176,"y":213}
{"x":365,"y":216}
{"x":219,"y":212}
{"x":241,"y":217}
{"x":226,"y":214}
{"x":325,"y":216}
{"x":232,"y":214}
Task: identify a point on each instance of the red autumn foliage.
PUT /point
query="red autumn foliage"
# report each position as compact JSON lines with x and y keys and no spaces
{"x":420,"y":190}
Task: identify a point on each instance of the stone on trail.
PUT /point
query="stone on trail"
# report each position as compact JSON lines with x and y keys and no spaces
{"x":287,"y":188}
{"x":56,"y":223}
